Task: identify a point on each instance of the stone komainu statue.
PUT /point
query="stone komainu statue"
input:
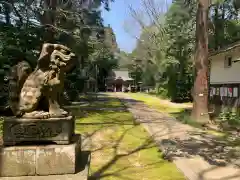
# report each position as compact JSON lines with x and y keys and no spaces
{"x":35,"y":94}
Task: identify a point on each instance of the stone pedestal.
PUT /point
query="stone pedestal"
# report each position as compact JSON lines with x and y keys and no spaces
{"x":40,"y":160}
{"x":29,"y":148}
{"x":58,"y":130}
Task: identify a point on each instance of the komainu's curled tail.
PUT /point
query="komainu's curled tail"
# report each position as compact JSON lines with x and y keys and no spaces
{"x":18,"y":76}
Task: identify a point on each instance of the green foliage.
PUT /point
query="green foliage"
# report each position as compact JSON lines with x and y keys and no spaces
{"x":19,"y":43}
{"x":165,"y":49}
{"x":79,"y":25}
{"x":162,"y":92}
{"x":229,"y":116}
{"x":164,"y":52}
{"x":224,"y":24}
{"x":224,"y":116}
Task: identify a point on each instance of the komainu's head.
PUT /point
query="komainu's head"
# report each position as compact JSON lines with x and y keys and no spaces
{"x":56,"y":56}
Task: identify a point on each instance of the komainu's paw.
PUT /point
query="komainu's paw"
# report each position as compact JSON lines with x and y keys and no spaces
{"x":59,"y":113}
{"x":65,"y":113}
{"x":37,"y":115}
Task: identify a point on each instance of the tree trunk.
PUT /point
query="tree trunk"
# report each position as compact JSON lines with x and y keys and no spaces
{"x":48,"y":20}
{"x":216,"y":25}
{"x":7,"y":11}
{"x":200,"y":89}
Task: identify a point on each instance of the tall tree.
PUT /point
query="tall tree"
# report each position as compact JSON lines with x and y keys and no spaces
{"x":25,"y":25}
{"x":200,"y":89}
{"x":180,"y":28}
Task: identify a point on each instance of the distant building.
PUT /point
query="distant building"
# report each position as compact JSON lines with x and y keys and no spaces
{"x":118,"y":80}
{"x":225,"y":76}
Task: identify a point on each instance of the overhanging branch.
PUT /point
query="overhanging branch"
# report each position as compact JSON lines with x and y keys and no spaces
{"x":11,"y":3}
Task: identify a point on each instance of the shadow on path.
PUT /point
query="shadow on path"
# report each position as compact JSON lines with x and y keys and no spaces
{"x":177,"y":140}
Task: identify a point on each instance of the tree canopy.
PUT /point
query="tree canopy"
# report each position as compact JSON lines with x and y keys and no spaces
{"x":166,"y":46}
{"x":25,"y":25}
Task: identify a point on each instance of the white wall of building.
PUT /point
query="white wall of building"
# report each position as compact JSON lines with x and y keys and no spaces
{"x":219,"y":74}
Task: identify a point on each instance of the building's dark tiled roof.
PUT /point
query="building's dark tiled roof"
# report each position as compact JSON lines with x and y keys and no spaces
{"x":224,"y":49}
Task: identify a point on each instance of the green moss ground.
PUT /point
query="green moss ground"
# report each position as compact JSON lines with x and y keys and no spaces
{"x":122,"y":149}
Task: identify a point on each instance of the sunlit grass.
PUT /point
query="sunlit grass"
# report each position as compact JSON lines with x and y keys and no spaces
{"x":110,"y":103}
{"x":217,"y":133}
{"x":182,"y":112}
{"x":122,"y":149}
{"x":159,"y":104}
{"x":178,"y":111}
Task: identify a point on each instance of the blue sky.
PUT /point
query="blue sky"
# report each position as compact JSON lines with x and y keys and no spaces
{"x":119,"y":15}
{"x":116,"y":17}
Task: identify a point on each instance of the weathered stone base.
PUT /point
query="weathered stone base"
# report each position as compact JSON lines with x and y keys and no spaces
{"x":81,"y":174}
{"x":40,"y":160}
{"x":19,"y":130}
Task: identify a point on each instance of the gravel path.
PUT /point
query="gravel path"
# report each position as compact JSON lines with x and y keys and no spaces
{"x":198,"y":155}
